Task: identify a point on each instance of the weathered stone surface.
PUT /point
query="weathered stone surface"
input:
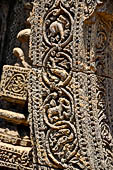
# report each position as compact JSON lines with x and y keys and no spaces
{"x":14,"y":83}
{"x":69,"y":86}
{"x":58,"y":82}
{"x":15,"y":142}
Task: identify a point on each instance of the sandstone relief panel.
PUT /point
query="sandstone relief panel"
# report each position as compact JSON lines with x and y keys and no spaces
{"x":57,"y":87}
{"x":68,"y":102}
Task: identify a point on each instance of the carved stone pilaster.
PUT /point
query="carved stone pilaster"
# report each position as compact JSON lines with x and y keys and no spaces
{"x":67,"y":111}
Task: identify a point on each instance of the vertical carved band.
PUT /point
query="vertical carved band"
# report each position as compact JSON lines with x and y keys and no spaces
{"x":52,"y":103}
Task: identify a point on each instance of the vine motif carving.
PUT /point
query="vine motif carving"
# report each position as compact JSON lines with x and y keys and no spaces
{"x":103,"y":94}
{"x":61,"y":137}
{"x":57,"y":111}
{"x":58,"y":25}
{"x":100,"y":48}
{"x":91,"y":6}
{"x":103,"y":122}
{"x":57,"y":68}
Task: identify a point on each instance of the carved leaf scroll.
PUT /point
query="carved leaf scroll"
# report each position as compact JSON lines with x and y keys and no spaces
{"x":63,"y":102}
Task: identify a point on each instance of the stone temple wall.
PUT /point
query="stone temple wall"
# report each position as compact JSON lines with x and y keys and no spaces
{"x":56,"y":88}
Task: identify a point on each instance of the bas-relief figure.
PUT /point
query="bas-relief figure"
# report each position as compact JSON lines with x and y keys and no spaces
{"x":56,"y":85}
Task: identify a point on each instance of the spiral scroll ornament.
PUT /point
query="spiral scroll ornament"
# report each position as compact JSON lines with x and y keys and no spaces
{"x":61,"y":136}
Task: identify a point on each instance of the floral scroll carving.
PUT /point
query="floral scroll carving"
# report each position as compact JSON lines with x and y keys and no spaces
{"x":64,"y":86}
{"x":65,"y":80}
{"x":91,"y":5}
{"x":56,"y":74}
{"x":53,"y":115}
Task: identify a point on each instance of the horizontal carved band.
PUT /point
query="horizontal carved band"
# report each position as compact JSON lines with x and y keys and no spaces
{"x":14,"y":84}
{"x":19,"y":156}
{"x":14,"y":117}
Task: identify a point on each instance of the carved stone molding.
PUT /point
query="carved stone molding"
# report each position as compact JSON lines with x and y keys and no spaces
{"x":14,"y":83}
{"x":15,"y":142}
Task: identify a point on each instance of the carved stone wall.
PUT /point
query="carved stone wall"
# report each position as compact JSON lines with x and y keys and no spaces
{"x":57,"y":85}
{"x":15,"y":143}
{"x":71,"y":84}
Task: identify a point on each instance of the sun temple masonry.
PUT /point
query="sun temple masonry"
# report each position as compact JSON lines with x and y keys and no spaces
{"x":56,"y":84}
